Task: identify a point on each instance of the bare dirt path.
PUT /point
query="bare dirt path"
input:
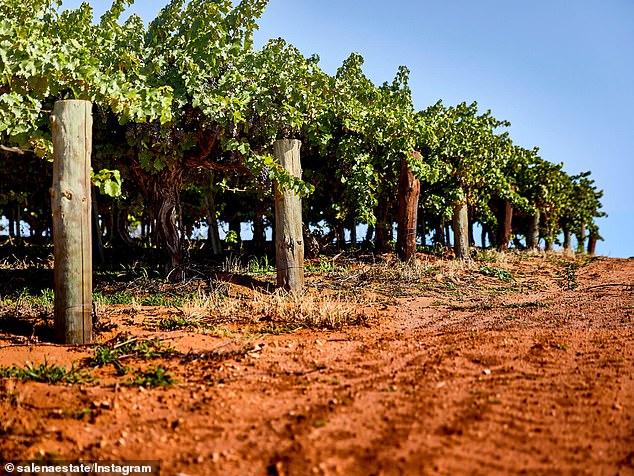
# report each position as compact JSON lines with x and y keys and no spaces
{"x":533,"y":377}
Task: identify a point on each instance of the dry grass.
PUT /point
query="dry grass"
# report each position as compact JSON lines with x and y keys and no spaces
{"x":310,"y":310}
{"x":306,"y":309}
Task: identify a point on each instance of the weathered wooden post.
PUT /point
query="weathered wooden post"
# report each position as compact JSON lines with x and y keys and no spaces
{"x":408,"y":194}
{"x":460,"y":229}
{"x":72,"y":231}
{"x":289,"y":240}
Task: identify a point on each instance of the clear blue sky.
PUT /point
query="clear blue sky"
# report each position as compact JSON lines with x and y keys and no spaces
{"x":561,"y":72}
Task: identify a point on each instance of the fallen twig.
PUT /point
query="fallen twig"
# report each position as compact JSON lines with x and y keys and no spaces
{"x":610,"y":285}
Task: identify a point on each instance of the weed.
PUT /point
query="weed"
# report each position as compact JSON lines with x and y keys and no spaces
{"x":277,"y":329}
{"x":47,"y":373}
{"x":78,"y":414}
{"x":103,"y":356}
{"x":233,"y":265}
{"x":260,"y":266}
{"x":499,"y":273}
{"x":558,"y":346}
{"x":487,"y":255}
{"x":322,"y":265}
{"x":155,"y":376}
{"x":25,"y":303}
{"x":159,"y":300}
{"x":122,"y":349}
{"x":173,"y":323}
{"x":568,"y":277}
{"x":119,"y":297}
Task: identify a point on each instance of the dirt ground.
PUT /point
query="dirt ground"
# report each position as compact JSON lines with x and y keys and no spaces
{"x":524,"y":366}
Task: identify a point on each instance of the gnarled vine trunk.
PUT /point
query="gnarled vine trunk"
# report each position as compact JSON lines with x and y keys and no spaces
{"x":259,"y":231}
{"x":532,"y":235}
{"x":381,"y":232}
{"x":213,"y":236}
{"x":592,"y":244}
{"x":581,"y":238}
{"x":439,"y":233}
{"x":408,"y":194}
{"x":505,"y":222}
{"x":567,"y":239}
{"x":161,"y":193}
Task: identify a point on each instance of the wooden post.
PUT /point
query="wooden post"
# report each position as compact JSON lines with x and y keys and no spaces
{"x":71,"y":205}
{"x":460,"y":230}
{"x":289,"y":241}
{"x":408,"y":194}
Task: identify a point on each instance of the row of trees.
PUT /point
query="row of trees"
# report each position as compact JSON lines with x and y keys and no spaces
{"x":186,"y":112}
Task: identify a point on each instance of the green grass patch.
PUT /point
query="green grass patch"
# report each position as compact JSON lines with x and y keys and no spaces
{"x":174,"y":323}
{"x":499,"y":273}
{"x":154,"y":377}
{"x":45,"y":300}
{"x":123,"y":348}
{"x":156,"y":299}
{"x":276,"y":329}
{"x":260,"y":266}
{"x":323,"y":265}
{"x":47,"y":373}
{"x":119,"y":297}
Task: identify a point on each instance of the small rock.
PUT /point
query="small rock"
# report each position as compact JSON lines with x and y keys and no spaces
{"x":486,"y":371}
{"x":106,"y":404}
